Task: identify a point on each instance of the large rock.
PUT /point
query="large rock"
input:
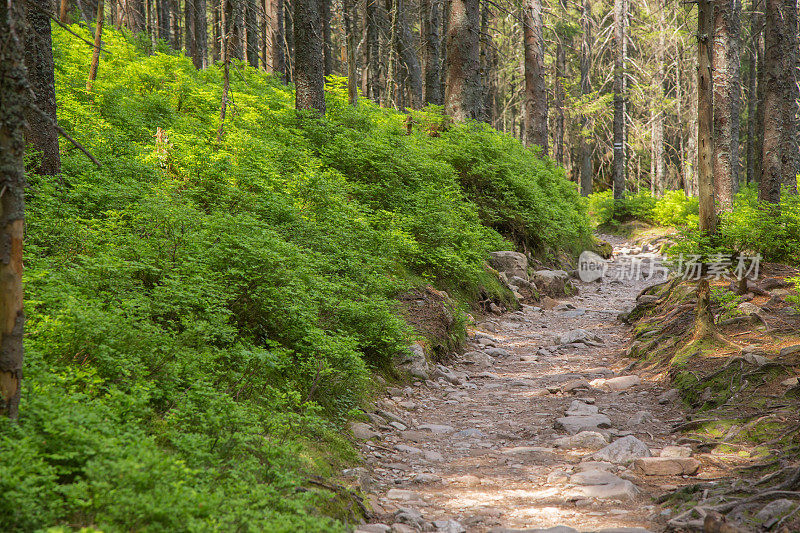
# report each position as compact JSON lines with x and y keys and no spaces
{"x":666,"y":466}
{"x":617,"y":384}
{"x":602,"y":485}
{"x":477,"y":358}
{"x":580,"y":336}
{"x":363,"y":431}
{"x":579,"y":408}
{"x":623,"y":451}
{"x":774,"y":511}
{"x":510,"y":263}
{"x":585,"y":440}
{"x":575,"y":424}
{"x":415,"y":363}
{"x":554,"y":282}
{"x":448,"y":526}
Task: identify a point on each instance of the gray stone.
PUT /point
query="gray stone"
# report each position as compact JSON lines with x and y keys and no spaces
{"x":510,"y":263}
{"x":409,"y":516}
{"x":594,"y":477}
{"x":669,"y":396}
{"x":774,"y":511}
{"x":640,"y":417}
{"x":576,"y":424}
{"x":586,"y":440}
{"x":437,"y":429}
{"x":426,"y":478}
{"x":403,"y":528}
{"x":623,"y":490}
{"x":578,"y":407}
{"x":477,"y":358}
{"x":556,"y":529}
{"x":402,"y":494}
{"x":363,"y":431}
{"x":666,"y":466}
{"x":448,"y":526}
{"x":676,"y":451}
{"x":748,"y":308}
{"x":575,"y":384}
{"x":790,"y":382}
{"x":580,"y":336}
{"x":617,"y":384}
{"x":469,"y":433}
{"x":373,"y":528}
{"x":440,"y":371}
{"x":434,"y":457}
{"x":623,"y":451}
{"x":405,"y":448}
{"x":497,"y":352}
{"x":789,"y":350}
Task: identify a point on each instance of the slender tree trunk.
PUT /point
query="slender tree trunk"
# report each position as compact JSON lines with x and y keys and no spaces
{"x":88,"y":9}
{"x":251,"y":31}
{"x":227,"y":16}
{"x":279,"y":43}
{"x":790,"y":149}
{"x":727,"y":85}
{"x":326,"y":36}
{"x":392,"y":94}
{"x":659,"y":148}
{"x":446,"y":10}
{"x":432,"y":22}
{"x":98,"y":34}
{"x":349,"y":12}
{"x":407,"y":53}
{"x":14,"y":92}
{"x":619,"y":177}
{"x":558,"y":129}
{"x":752,"y":98}
{"x":217,"y":30}
{"x":535,"y":89}
{"x":39,"y":63}
{"x":196,"y":32}
{"x":586,"y":175}
{"x":372,"y":23}
{"x":175,"y":24}
{"x":464,"y":95}
{"x":63,"y":11}
{"x":309,"y":77}
{"x":135,"y":14}
{"x":164,"y":16}
{"x":288,"y":31}
{"x":705,"y":174}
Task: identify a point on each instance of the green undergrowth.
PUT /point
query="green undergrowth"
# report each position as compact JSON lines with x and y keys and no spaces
{"x":205,"y":314}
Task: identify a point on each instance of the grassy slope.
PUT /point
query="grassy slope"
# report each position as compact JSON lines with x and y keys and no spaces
{"x":203,"y":315}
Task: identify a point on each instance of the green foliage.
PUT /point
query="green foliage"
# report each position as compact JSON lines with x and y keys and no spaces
{"x":203,"y":315}
{"x":672,"y":209}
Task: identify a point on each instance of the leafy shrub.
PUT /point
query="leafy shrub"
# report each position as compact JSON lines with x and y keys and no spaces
{"x":672,"y":209}
{"x":203,"y":315}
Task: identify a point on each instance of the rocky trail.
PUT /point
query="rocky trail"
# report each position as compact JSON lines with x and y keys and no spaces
{"x":538,"y":427}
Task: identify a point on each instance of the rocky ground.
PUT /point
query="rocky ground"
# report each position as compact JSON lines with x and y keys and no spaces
{"x":538,"y":425}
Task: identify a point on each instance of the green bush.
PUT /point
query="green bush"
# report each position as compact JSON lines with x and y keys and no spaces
{"x":203,"y":315}
{"x":672,"y":209}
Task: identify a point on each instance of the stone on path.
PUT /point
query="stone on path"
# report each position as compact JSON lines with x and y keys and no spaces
{"x":580,"y":336}
{"x":676,"y":451}
{"x":510,"y":263}
{"x":576,"y":424}
{"x":477,"y":358}
{"x":579,"y":408}
{"x":586,"y":440}
{"x":623,"y":451}
{"x":402,"y":494}
{"x":363,"y":431}
{"x":556,"y":529}
{"x":617,"y":384}
{"x":373,"y":528}
{"x":774,"y":511}
{"x":601,"y":485}
{"x":436,"y":429}
{"x":448,"y":526}
{"x":666,"y":466}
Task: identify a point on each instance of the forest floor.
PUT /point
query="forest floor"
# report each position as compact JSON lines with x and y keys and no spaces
{"x":485,"y":454}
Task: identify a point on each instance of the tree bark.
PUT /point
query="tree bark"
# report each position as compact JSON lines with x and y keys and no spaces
{"x":431,"y":23}
{"x":39,"y":63}
{"x":779,"y":144}
{"x":349,"y":12}
{"x":63,"y":11}
{"x":535,"y":90}
{"x":705,"y":175}
{"x":98,"y":34}
{"x":619,"y":168}
{"x":559,"y":91}
{"x":659,"y":150}
{"x":288,"y":31}
{"x":463,"y":93}
{"x":372,"y":23}
{"x":164,"y":16}
{"x":135,"y":15}
{"x":14,"y":91}
{"x":196,"y":32}
{"x":251,"y":32}
{"x":727,"y":85}
{"x":326,"y":37}
{"x":752,"y":98}
{"x":309,"y":77}
{"x":407,"y":53}
{"x":276,"y":37}
{"x":585,"y":157}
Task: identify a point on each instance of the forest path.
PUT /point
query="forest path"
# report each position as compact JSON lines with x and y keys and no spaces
{"x":483,"y":455}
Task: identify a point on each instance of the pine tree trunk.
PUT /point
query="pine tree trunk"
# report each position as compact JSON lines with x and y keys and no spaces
{"x":464,"y":95}
{"x":619,"y":177}
{"x":63,"y":11}
{"x":14,"y":92}
{"x":196,"y":32}
{"x":535,"y":90}
{"x":288,"y":32}
{"x":727,"y":85}
{"x":349,"y":12}
{"x":135,"y":14}
{"x":659,"y":149}
{"x":326,"y":36}
{"x":705,"y":176}
{"x":431,"y":23}
{"x":98,"y":34}
{"x":407,"y":53}
{"x":164,"y":16}
{"x":752,"y":98}
{"x":372,"y":23}
{"x":558,"y":126}
{"x":790,"y":149}
{"x":39,"y":63}
{"x":309,"y":77}
{"x":175,"y":25}
{"x":251,"y":32}
{"x":586,"y":176}
{"x":217,"y":30}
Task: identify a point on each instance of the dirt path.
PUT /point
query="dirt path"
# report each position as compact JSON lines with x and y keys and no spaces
{"x":483,"y":455}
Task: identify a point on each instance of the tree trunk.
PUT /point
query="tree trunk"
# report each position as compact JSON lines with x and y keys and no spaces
{"x":659,"y":150}
{"x":288,"y":31}
{"x":217,"y":29}
{"x":327,"y":46}
{"x":196,"y":32}
{"x":755,"y":32}
{"x":619,"y":177}
{"x":585,"y":157}
{"x":727,"y":85}
{"x":372,"y":23}
{"x":135,"y":14}
{"x":88,"y":9}
{"x":464,"y":95}
{"x":309,"y":77}
{"x":175,"y":24}
{"x":431,"y":24}
{"x":227,"y":14}
{"x":779,"y":144}
{"x":164,"y":16}
{"x":251,"y":32}
{"x":98,"y":34}
{"x":705,"y":176}
{"x":39,"y":63}
{"x":558,"y":126}
{"x":535,"y":90}
{"x":392,"y":94}
{"x":349,"y":12}
{"x":407,"y":53}
{"x":276,"y":37}
{"x":14,"y":92}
